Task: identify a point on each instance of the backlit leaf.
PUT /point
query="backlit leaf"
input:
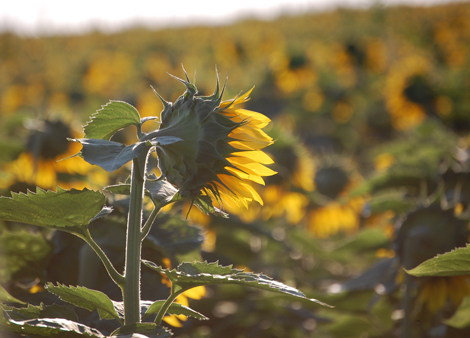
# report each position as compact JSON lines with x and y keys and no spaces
{"x":67,"y":210}
{"x":454,"y":263}
{"x":86,"y":298}
{"x":189,"y":275}
{"x":113,"y":116}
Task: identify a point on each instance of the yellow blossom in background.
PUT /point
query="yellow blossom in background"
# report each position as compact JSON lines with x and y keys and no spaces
{"x":435,"y":291}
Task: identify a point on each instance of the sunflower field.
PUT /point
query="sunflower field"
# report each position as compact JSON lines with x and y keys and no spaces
{"x":335,"y":160}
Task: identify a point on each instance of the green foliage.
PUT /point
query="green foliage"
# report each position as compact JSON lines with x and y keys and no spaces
{"x":112,"y":117}
{"x":454,"y":263}
{"x":189,"y":275}
{"x":66,"y":210}
{"x":85,"y":298}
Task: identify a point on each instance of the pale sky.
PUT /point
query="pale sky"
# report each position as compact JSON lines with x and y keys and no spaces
{"x":33,"y":17}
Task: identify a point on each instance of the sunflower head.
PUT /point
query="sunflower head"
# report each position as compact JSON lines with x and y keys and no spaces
{"x":219,"y":147}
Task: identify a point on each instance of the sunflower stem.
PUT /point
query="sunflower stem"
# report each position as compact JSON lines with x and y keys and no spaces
{"x":174,"y":294}
{"x":132,"y":273}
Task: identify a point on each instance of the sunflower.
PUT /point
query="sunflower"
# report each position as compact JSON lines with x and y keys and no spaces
{"x":40,"y":163}
{"x":219,"y":152}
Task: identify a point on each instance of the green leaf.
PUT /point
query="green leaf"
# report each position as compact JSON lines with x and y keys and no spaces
{"x":149,"y":330}
{"x":189,"y":275}
{"x":113,"y":116}
{"x":67,"y":210}
{"x":454,"y":263}
{"x":86,"y":298}
{"x":49,"y":327}
{"x":175,"y":309}
{"x":204,"y":203}
{"x":109,"y":155}
{"x":461,"y":318}
{"x":41,"y":311}
{"x":5,"y":297}
{"x":158,"y":190}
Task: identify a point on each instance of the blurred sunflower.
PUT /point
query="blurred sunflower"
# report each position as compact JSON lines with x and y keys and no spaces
{"x":331,"y":210}
{"x":285,"y":194}
{"x":423,"y":234}
{"x":220,"y":148}
{"x":40,"y":163}
{"x":408,"y":95}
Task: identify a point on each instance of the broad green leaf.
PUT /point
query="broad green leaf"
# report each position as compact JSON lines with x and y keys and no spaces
{"x":461,"y":318}
{"x":110,"y":155}
{"x":86,"y":298}
{"x":189,"y":275}
{"x":175,"y":309}
{"x":41,"y":311}
{"x":5,"y":297}
{"x":454,"y":263}
{"x":67,"y":210}
{"x":49,"y":327}
{"x":113,"y":116}
{"x":149,"y":330}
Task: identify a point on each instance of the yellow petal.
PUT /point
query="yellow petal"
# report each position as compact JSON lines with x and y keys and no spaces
{"x":195,"y":293}
{"x":256,"y":155}
{"x":172,"y":320}
{"x":251,"y":167}
{"x":246,"y":176}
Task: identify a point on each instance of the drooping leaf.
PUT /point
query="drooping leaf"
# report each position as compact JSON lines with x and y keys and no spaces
{"x":86,"y":298}
{"x":67,"y":210}
{"x":113,"y":116}
{"x":110,"y":155}
{"x":189,"y":275}
{"x":41,"y":311}
{"x":454,"y":263}
{"x":5,"y":297}
{"x":461,"y":318}
{"x":149,"y":330}
{"x":158,"y":190}
{"x":175,"y":309}
{"x":49,"y":327}
{"x":204,"y":203}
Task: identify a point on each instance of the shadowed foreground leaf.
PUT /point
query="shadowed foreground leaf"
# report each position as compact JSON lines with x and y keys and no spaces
{"x":85,"y":298}
{"x":5,"y":297}
{"x":189,"y":275}
{"x":149,"y":330}
{"x":67,"y":210}
{"x":49,"y":327}
{"x":454,"y":263}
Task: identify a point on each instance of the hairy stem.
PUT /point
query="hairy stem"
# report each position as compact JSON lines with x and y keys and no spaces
{"x":167,"y":304}
{"x":148,"y":225}
{"x":131,"y":290}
